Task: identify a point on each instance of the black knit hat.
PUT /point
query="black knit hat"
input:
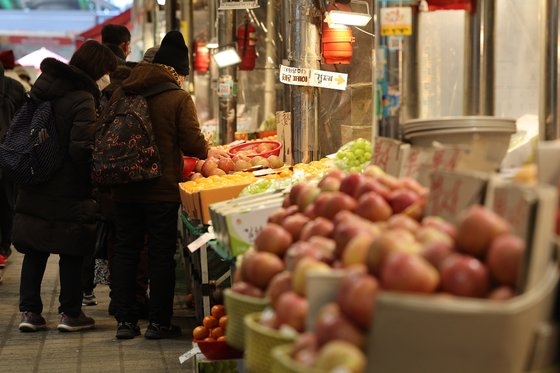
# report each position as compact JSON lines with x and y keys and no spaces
{"x":174,"y":52}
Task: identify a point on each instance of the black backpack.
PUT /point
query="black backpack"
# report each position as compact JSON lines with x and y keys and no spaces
{"x":30,"y":152}
{"x":125,"y":149}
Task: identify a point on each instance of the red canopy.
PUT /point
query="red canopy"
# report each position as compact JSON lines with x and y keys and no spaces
{"x":95,"y":32}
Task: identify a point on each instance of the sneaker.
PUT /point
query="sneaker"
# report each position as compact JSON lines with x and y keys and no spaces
{"x":158,"y":331}
{"x":74,"y":324}
{"x":127,"y":330}
{"x":31,"y":322}
{"x":88,"y":299}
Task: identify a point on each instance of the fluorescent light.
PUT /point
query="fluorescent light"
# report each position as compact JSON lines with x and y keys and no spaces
{"x":226,"y":57}
{"x":161,"y":2}
{"x":337,"y":16}
{"x":212,"y":44}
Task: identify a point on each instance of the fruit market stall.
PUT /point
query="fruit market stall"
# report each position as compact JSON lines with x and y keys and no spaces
{"x":359,"y":269}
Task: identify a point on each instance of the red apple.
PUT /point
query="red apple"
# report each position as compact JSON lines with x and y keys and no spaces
{"x":350,"y":183}
{"x":402,"y":221}
{"x":356,"y":297}
{"x":337,"y":202}
{"x":505,"y":258}
{"x":304,"y":266}
{"x":305,"y":348}
{"x":306,"y":196}
{"x":317,"y":227}
{"x":401,"y":199}
{"x":356,"y":250}
{"x":501,"y":293}
{"x":476,"y":229}
{"x":371,"y":185}
{"x":294,"y":224}
{"x":441,"y":224}
{"x":260,"y":267}
{"x":373,"y":206}
{"x":407,"y":272}
{"x":277,"y":216}
{"x":394,"y":240}
{"x":245,"y":288}
{"x":332,"y":324}
{"x":273,"y":238}
{"x":226,"y":164}
{"x":341,"y":356}
{"x":329,"y":184}
{"x":291,"y":309}
{"x":279,"y":284}
{"x":209,"y":166}
{"x":465,"y":276}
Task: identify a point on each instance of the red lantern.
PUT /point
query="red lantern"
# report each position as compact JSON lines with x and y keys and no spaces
{"x":201,"y":56}
{"x":336,"y":42}
{"x":246,"y":45}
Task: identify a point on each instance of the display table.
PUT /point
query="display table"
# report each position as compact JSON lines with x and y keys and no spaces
{"x":209,"y":269}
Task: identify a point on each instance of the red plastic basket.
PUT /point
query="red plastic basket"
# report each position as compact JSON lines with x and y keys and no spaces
{"x":218,"y":350}
{"x":189,"y":164}
{"x":250,"y":149}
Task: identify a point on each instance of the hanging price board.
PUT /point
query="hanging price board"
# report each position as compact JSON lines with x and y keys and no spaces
{"x":238,"y":4}
{"x":396,"y":21}
{"x":313,"y":78}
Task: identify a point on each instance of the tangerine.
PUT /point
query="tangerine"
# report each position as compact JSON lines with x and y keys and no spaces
{"x":218,"y":311}
{"x":200,"y":332}
{"x":217,"y":332}
{"x":210,"y":322}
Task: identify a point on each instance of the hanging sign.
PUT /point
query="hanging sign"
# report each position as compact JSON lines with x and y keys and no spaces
{"x":396,"y":21}
{"x":313,"y":78}
{"x":238,"y":4}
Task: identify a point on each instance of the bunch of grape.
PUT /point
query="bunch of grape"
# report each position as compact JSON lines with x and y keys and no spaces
{"x":354,"y":156}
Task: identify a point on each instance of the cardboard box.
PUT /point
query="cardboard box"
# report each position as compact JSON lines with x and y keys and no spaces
{"x":196,"y":204}
{"x":427,"y":334}
{"x":452,"y":191}
{"x":390,"y":155}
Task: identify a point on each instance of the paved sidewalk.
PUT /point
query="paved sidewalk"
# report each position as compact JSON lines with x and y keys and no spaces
{"x":96,"y":350}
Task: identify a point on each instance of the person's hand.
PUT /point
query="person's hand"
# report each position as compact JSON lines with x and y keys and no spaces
{"x":217,"y":152}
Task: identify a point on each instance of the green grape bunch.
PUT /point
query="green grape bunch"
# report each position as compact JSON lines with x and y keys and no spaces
{"x":354,"y":156}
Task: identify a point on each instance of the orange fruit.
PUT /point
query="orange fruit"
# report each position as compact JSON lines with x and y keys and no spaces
{"x":200,"y":332}
{"x":210,"y":322}
{"x":222,"y":338}
{"x":218,"y":311}
{"x":209,"y":339}
{"x":217,"y":332}
{"x":223,"y":322}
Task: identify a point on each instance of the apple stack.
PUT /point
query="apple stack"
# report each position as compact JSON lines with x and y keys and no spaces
{"x":371,"y":227}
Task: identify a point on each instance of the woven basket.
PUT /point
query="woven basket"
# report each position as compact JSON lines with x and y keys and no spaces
{"x":259,"y":342}
{"x":282,"y":362}
{"x":237,"y":306}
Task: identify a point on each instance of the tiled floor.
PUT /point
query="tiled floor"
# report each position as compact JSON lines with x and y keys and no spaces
{"x":96,"y":350}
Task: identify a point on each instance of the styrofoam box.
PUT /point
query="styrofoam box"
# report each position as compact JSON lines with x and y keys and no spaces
{"x":414,"y":333}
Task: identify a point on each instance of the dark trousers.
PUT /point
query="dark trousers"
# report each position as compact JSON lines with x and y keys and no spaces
{"x":32,"y":272}
{"x":134,"y":222}
{"x":7,"y":202}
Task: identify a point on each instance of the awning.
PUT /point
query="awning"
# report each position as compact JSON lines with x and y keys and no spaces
{"x":95,"y":32}
{"x":35,"y":58}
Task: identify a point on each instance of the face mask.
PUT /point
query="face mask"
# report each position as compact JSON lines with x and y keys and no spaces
{"x":103,"y":82}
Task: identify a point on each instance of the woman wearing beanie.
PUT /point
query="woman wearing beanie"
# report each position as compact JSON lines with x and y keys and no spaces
{"x":59,"y":216}
{"x":150,"y":209}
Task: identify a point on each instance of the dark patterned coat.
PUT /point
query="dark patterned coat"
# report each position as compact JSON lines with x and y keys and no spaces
{"x":59,"y":216}
{"x":177,"y":132}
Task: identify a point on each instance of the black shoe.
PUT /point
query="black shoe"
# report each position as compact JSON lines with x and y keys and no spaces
{"x":75,"y":323}
{"x":127,"y":330}
{"x":158,"y":331}
{"x":32,"y":322}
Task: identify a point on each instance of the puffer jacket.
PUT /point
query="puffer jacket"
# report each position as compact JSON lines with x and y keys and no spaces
{"x":176,"y":130}
{"x":59,"y":216}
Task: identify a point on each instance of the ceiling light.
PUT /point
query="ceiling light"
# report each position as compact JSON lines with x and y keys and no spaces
{"x":334,"y":16}
{"x":212,"y":44}
{"x":226,"y":57}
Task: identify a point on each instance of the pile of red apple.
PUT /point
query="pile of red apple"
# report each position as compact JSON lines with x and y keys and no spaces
{"x":372,"y":226}
{"x":225,"y":164}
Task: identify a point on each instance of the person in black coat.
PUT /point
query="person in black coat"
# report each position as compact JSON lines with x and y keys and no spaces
{"x":59,"y":216}
{"x":12,"y":97}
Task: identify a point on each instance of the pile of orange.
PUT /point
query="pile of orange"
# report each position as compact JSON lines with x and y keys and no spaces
{"x":213,"y":326}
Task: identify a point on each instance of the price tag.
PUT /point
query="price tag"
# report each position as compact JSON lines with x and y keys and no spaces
{"x":189,"y":354}
{"x":202,"y":240}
